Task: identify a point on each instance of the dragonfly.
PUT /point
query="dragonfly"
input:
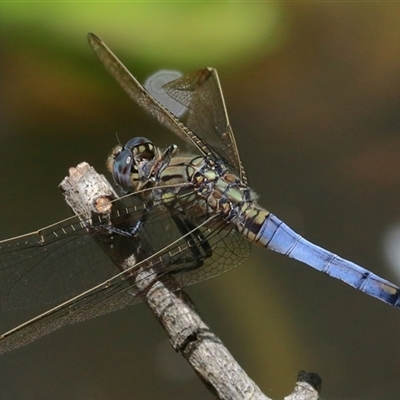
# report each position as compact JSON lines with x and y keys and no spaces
{"x":196,"y":214}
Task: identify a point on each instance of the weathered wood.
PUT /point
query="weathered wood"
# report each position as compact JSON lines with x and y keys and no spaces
{"x":89,"y":193}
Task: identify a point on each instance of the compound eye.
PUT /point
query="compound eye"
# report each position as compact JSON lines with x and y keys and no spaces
{"x":141,"y":147}
{"x":121,"y":169}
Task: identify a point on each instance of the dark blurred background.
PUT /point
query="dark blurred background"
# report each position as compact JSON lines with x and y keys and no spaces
{"x":313,"y":94}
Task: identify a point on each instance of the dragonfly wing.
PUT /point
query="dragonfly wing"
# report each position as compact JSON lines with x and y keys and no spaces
{"x":99,"y":301}
{"x":208,"y":249}
{"x":139,"y":94}
{"x":50,"y":265}
{"x":200,"y":92}
{"x":57,"y":262}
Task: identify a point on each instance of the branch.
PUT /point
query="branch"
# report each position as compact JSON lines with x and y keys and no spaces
{"x":89,"y":193}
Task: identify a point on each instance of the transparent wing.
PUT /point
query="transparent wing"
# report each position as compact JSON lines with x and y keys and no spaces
{"x":141,"y":96}
{"x":207,"y":125}
{"x":50,"y":265}
{"x":200,"y":92}
{"x":208,"y":248}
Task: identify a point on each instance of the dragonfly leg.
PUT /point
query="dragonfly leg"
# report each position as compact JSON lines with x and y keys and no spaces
{"x":134,"y":230}
{"x":197,"y":243}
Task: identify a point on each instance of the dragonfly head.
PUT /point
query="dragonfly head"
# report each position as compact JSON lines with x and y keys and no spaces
{"x":124,"y":162}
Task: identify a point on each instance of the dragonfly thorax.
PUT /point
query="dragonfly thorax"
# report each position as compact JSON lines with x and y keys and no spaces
{"x":200,"y":186}
{"x":197,"y":186}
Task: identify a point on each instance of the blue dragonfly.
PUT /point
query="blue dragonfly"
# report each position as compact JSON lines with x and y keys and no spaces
{"x":218,"y":176}
{"x":196,"y":211}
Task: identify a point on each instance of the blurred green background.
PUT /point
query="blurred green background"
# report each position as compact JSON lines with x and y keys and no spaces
{"x":313,"y":94}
